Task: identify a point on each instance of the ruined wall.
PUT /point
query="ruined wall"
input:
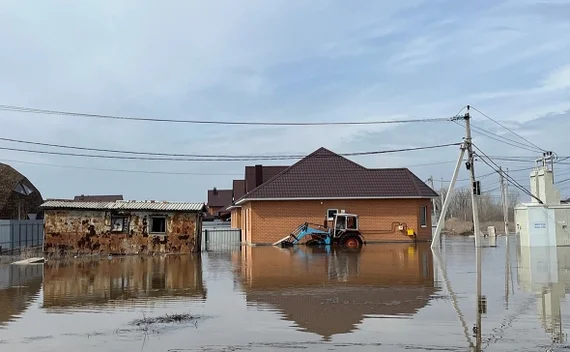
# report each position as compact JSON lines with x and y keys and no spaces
{"x":87,"y":232}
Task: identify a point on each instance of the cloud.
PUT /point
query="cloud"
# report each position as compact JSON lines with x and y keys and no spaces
{"x":271,"y":61}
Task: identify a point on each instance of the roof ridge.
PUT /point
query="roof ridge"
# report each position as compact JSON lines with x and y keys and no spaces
{"x":282,"y":172}
{"x":299,"y":163}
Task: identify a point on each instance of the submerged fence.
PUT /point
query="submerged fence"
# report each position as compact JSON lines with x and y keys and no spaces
{"x":20,"y":234}
{"x":220,"y":239}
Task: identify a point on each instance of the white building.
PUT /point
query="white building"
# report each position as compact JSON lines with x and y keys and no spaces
{"x":543,"y":224}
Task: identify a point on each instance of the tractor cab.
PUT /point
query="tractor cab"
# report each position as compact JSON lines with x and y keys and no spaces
{"x":344,"y":223}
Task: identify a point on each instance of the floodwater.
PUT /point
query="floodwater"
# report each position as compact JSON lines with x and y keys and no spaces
{"x":389,"y":297}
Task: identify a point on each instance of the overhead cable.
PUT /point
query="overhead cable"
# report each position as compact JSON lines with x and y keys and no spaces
{"x":21,"y":109}
{"x":125,"y":157}
{"x":511,"y":180}
{"x":508,"y":129}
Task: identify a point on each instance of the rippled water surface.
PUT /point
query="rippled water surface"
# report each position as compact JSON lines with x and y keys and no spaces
{"x":392,"y":297}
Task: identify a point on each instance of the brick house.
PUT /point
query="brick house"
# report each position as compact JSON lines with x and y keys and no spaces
{"x":254,"y":176}
{"x":323,"y":183}
{"x":121,"y":227}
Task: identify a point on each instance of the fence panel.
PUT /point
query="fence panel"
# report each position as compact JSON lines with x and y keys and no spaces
{"x":20,"y":234}
{"x":220,"y":239}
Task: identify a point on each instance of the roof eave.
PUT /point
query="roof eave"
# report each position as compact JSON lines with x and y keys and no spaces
{"x":241,"y":201}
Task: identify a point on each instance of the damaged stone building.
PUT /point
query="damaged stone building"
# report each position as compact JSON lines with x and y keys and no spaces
{"x":121,"y":227}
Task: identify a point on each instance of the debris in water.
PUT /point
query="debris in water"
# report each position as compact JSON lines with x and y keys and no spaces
{"x":166,"y":319}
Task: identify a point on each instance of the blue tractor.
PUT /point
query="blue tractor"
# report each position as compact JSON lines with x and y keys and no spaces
{"x":345,"y":232}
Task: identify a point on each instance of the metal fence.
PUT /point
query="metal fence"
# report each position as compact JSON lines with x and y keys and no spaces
{"x":220,"y":239}
{"x":20,"y":234}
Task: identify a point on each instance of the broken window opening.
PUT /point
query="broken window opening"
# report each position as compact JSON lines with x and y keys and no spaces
{"x":158,"y":224}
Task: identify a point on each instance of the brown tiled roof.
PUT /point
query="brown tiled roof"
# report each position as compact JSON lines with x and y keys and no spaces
{"x":238,"y":188}
{"x":220,"y":198}
{"x":99,"y":198}
{"x":268,"y":173}
{"x":324,"y":174}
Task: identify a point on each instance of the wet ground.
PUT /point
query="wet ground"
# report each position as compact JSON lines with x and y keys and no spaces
{"x":393,"y":297}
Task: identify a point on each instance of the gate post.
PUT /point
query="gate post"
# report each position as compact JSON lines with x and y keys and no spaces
{"x":206,"y":240}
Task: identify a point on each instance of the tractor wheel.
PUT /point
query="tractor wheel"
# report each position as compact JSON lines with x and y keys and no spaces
{"x":352,"y":242}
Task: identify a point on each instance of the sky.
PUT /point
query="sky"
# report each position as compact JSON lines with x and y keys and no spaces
{"x":275,"y":61}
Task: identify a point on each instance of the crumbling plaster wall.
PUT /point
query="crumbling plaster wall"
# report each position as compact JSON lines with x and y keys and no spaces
{"x":88,"y":232}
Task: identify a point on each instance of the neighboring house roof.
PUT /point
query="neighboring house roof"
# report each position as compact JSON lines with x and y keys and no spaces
{"x":99,"y":198}
{"x":324,"y":174}
{"x":13,"y":181}
{"x":238,"y":189}
{"x":125,"y":205}
{"x":268,"y":172}
{"x":219,"y":197}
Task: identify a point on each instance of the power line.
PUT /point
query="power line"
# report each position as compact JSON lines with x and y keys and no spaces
{"x":499,"y":138}
{"x":508,"y":129}
{"x":254,"y":157}
{"x":507,"y":176}
{"x":142,"y":171}
{"x":204,"y":122}
{"x":123,"y":157}
{"x":122,"y":170}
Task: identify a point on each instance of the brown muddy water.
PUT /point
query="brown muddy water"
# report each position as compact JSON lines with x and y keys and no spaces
{"x":391,"y":297}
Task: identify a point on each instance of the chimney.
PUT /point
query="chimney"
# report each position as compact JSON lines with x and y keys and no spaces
{"x":258,"y":175}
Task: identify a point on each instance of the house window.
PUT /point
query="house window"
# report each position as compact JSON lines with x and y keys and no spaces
{"x":119,"y":224}
{"x":158,"y":224}
{"x":423,"y":216}
{"x":331,"y":213}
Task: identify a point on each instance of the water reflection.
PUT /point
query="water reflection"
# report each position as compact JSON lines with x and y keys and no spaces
{"x":329,"y":292}
{"x":19,"y":287}
{"x":121,"y":282}
{"x":545,"y":271}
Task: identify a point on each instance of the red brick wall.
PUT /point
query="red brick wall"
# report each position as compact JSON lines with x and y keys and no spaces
{"x":269,"y":221}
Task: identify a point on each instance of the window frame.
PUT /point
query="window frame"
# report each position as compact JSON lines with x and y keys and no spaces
{"x":331,"y":218}
{"x":126,"y":221}
{"x":424,"y":214}
{"x":151,"y":223}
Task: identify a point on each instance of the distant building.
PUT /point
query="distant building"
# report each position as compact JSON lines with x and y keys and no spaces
{"x":218,"y":201}
{"x":19,"y":198}
{"x":98,"y":198}
{"x":121,"y":227}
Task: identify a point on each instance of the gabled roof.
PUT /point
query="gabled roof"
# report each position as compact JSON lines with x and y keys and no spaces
{"x":324,"y":174}
{"x":219,"y":197}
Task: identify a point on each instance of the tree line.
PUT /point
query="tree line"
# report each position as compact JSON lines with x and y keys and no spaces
{"x":490,"y":206}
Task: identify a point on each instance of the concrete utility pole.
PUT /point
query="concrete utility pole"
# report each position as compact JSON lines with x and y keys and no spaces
{"x":504,"y":199}
{"x":465,"y":147}
{"x":475,"y":184}
{"x":433,"y":203}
